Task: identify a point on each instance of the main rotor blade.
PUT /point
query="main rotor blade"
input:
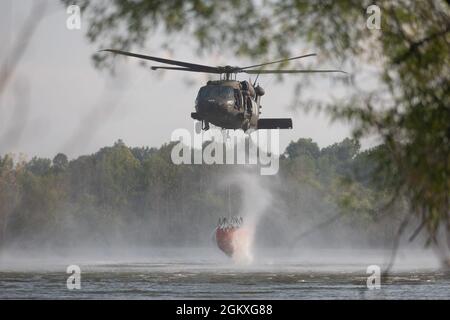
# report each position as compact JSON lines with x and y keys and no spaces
{"x":193,"y":66}
{"x":290,"y":71}
{"x":279,"y":61}
{"x":178,"y":69}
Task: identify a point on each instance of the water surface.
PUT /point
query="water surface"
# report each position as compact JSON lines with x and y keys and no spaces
{"x":196,"y":274}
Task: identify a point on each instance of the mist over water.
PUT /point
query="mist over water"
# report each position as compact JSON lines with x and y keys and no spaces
{"x":255,"y":203}
{"x":199,"y":273}
{"x":271,"y":233}
{"x":272,"y":264}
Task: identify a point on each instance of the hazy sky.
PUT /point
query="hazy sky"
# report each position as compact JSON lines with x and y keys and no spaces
{"x":58,"y":102}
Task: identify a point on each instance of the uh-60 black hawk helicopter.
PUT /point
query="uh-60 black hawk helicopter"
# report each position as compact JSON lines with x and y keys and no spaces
{"x":228,"y":103}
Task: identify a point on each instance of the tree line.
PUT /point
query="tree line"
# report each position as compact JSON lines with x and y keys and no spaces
{"x":122,"y":194}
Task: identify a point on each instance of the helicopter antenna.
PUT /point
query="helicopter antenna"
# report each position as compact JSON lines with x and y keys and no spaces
{"x":254,"y":83}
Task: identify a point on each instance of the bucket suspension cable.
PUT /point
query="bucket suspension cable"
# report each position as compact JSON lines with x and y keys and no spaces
{"x":229,"y":202}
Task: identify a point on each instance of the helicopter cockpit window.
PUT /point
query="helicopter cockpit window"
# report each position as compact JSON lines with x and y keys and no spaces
{"x":211,"y":92}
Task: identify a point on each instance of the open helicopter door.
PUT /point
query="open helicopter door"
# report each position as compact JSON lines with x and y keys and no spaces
{"x":275,"y":123}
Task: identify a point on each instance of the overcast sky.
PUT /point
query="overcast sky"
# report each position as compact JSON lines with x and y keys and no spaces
{"x":58,"y":102}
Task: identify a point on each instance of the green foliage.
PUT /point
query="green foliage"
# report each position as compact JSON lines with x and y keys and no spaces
{"x":60,"y":162}
{"x":138,"y":192}
{"x":39,"y":166}
{"x":303,"y":147}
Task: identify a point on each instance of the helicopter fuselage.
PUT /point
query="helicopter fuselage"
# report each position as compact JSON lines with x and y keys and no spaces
{"x":228,"y":104}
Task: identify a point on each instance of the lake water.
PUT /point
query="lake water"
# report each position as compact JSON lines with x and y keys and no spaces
{"x":205,"y":274}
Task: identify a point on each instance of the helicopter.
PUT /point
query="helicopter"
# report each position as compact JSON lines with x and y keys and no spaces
{"x":228,"y":103}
